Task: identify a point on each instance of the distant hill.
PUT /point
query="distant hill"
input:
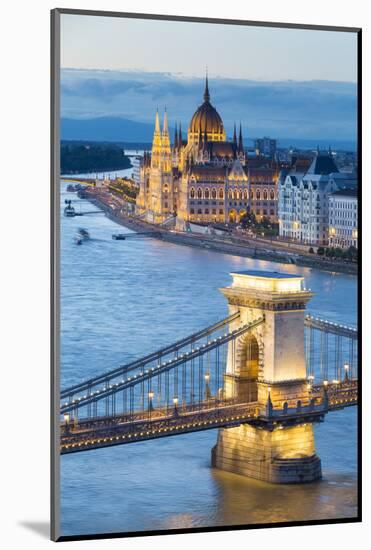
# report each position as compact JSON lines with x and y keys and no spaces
{"x":120,"y":130}
{"x":106,"y":129}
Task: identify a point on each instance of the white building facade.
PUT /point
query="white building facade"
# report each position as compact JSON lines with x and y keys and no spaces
{"x":343,"y":219}
{"x":303,"y":200}
{"x":136,"y":162}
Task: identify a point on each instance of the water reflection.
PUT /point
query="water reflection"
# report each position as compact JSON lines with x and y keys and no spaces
{"x":244,"y":501}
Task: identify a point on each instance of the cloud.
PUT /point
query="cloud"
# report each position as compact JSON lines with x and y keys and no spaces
{"x":310,"y":109}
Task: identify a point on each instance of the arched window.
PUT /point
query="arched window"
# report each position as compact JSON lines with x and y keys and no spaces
{"x":199,"y":193}
{"x":213,"y":193}
{"x":245,"y":195}
{"x":251,"y":195}
{"x":199,"y":211}
{"x":221,"y":193}
{"x":192,"y":193}
{"x":230,"y":194}
{"x":206,"y":210}
{"x":265,"y":194}
{"x":192,"y":211}
{"x":207,"y":193}
{"x":258,"y":194}
{"x":272,"y":195}
{"x":235,"y":195}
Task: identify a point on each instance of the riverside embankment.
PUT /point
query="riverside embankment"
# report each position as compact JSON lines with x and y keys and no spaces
{"x":230,"y":244}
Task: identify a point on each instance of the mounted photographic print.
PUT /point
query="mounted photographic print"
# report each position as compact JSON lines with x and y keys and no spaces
{"x":205,"y":224}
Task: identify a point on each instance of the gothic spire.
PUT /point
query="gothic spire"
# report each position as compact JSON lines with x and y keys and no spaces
{"x":240,"y":141}
{"x":180,"y":139}
{"x":156,"y":143}
{"x":206,"y":92}
{"x":176,"y":136}
{"x":165,"y":127}
{"x":234,"y":134}
{"x":157,"y":123}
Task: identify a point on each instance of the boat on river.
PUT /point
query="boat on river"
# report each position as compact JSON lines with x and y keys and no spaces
{"x":82,"y":235}
{"x":69,"y":210}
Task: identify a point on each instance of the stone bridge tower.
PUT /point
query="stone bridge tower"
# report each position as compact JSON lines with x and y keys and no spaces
{"x":267,"y":366}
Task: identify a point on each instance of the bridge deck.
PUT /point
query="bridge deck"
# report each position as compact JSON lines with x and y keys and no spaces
{"x":100,"y":432}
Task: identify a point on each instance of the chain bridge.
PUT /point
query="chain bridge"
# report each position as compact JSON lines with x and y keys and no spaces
{"x":267,"y":368}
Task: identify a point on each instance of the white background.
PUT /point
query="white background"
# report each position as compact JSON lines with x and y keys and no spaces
{"x":24,"y":217}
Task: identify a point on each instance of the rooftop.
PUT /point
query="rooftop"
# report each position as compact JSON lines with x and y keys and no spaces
{"x":267,"y":281}
{"x":322,"y":164}
{"x":267,"y":274}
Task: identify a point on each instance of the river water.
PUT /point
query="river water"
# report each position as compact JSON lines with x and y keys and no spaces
{"x":122,"y":299}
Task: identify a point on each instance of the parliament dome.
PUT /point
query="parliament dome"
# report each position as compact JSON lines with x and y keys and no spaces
{"x":206,"y":119}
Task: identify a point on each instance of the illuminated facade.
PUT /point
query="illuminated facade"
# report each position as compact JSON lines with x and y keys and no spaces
{"x":205,"y":178}
{"x":303,"y":206}
{"x":343,"y":218}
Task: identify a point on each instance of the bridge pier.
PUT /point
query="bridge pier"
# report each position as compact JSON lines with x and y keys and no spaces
{"x":279,"y":455}
{"x":268,"y":367}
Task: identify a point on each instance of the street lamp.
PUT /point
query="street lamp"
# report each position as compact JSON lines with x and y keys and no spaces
{"x":150,"y":403}
{"x":207,"y":387}
{"x":175,"y":401}
{"x":346,"y":372}
{"x":66,"y":418}
{"x":325,"y":394}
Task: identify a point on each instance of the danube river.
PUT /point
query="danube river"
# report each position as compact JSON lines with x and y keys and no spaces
{"x":122,"y":299}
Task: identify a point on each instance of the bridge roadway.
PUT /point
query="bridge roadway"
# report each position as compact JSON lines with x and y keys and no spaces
{"x":93,"y":433}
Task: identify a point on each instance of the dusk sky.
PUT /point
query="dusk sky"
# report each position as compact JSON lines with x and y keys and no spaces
{"x":279,"y":81}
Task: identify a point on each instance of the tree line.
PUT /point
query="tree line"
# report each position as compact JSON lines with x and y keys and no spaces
{"x":78,"y":157}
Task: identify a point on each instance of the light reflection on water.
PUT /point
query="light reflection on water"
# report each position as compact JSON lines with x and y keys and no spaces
{"x":121,"y":300}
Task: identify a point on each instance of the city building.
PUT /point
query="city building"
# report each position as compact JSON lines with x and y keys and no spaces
{"x":265,"y":147}
{"x":263,"y":191}
{"x":343,"y":218}
{"x":204,"y":178}
{"x":303,"y":203}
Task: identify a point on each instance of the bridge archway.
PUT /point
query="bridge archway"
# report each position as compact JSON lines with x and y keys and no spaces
{"x":247,"y":367}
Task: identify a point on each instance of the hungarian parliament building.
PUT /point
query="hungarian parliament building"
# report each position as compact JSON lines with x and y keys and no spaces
{"x":205,"y":178}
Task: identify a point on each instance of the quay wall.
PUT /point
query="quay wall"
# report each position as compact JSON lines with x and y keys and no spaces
{"x":217,"y":244}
